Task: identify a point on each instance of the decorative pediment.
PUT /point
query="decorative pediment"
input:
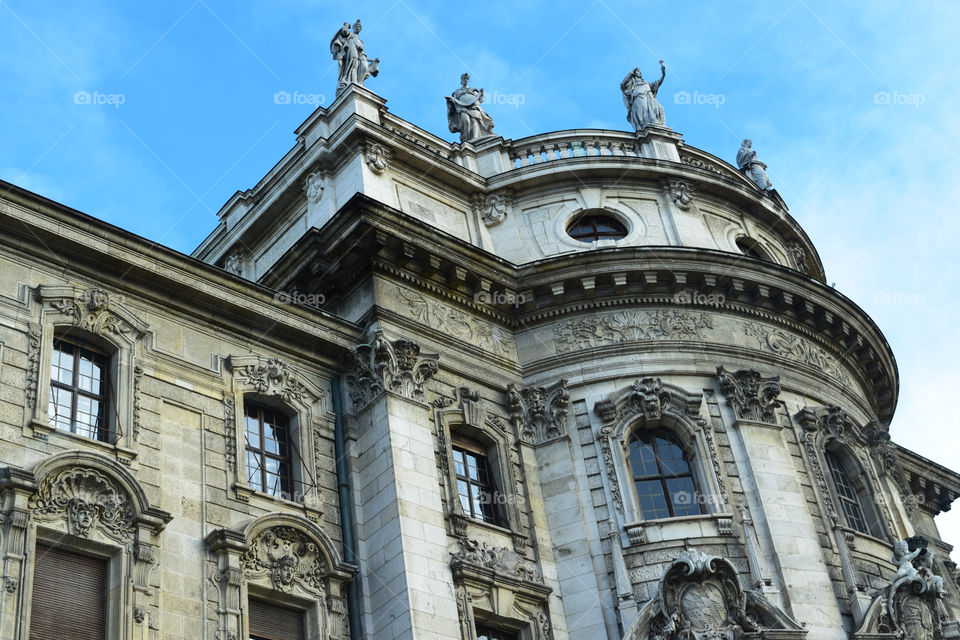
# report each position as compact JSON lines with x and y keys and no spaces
{"x":93,"y":310}
{"x":289,"y":557}
{"x":539,"y":413}
{"x":389,"y":365}
{"x":752,"y":396}
{"x":272,"y":377}
{"x":700,"y":598}
{"x":87,"y":494}
{"x":501,"y":562}
{"x":648,"y":398}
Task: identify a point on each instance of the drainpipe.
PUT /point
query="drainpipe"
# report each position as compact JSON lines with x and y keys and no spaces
{"x":346,"y":511}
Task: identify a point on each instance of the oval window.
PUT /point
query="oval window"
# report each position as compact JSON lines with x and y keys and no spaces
{"x":593,"y":227}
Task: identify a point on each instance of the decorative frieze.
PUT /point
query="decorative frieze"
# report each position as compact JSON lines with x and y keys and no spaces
{"x":92,"y":310}
{"x":34,"y":344}
{"x":137,"y":380}
{"x":797,"y":349}
{"x":752,"y":396}
{"x":539,"y":413}
{"x":630,"y":326}
{"x":455,"y":323}
{"x":389,"y":365}
{"x":500,"y":560}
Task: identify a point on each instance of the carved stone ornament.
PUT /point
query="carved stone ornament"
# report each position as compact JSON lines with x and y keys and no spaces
{"x":629,"y":326}
{"x":493,"y":207}
{"x":797,"y":349}
{"x":680,"y":192}
{"x":700,"y":599}
{"x":89,"y":500}
{"x":33,"y":367}
{"x":752,"y":396}
{"x":799,"y":256}
{"x":377,"y":157}
{"x":233,"y":263}
{"x":289,"y":558}
{"x":911,"y":605}
{"x":274,"y":377}
{"x":313,"y":187}
{"x":385,"y":365}
{"x":93,"y":310}
{"x":539,"y":413}
{"x":500,"y":560}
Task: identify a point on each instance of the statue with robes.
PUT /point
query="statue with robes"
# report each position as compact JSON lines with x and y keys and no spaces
{"x":347,"y":50}
{"x":640,"y":98}
{"x":752,"y":167}
{"x":464,"y":114}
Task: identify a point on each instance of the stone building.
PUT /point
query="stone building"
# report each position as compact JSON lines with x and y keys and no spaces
{"x":586,"y":384}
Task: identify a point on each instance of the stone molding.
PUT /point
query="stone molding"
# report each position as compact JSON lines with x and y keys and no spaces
{"x":649,"y":403}
{"x":464,"y":414}
{"x":699,"y":597}
{"x":751,"y":396}
{"x":95,"y":312}
{"x":278,"y":555}
{"x":502,"y":583}
{"x":539,"y":414}
{"x":383,"y":365}
{"x":98,"y":505}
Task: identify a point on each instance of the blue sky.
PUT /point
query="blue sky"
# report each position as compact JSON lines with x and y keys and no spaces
{"x":853,"y":109}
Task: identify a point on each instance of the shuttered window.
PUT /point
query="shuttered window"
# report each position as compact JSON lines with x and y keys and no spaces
{"x":271,"y":622}
{"x":69,"y":596}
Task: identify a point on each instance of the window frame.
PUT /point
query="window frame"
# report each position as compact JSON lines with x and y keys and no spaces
{"x":105,"y":430}
{"x":286,"y":461}
{"x":619,"y":229}
{"x":654,"y":435}
{"x":489,"y":488}
{"x":834,"y":456}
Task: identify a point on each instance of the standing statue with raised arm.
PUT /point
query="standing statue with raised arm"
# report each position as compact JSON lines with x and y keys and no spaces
{"x":640,"y":98}
{"x":347,"y":50}
{"x":752,"y":167}
{"x":465,"y":115}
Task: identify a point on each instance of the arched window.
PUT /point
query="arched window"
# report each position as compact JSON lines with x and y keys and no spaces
{"x":662,"y":475}
{"x":751,"y":248}
{"x":79,"y":387}
{"x":850,"y":489}
{"x":593,"y":227}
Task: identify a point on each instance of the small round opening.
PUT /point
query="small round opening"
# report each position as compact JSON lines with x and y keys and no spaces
{"x":591,"y":227}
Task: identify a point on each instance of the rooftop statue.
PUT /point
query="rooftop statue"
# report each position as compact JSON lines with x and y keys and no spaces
{"x":347,"y":50}
{"x":752,"y":167}
{"x":465,"y":115}
{"x":640,"y":98}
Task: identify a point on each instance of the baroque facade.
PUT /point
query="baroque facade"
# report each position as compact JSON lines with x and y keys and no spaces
{"x":585,"y":384}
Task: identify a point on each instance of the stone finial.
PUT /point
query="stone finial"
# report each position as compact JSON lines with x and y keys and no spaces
{"x":751,"y":166}
{"x":640,"y":99}
{"x":464,"y":114}
{"x":347,"y":50}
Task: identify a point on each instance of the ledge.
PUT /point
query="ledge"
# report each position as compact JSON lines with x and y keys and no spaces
{"x":700,"y":526}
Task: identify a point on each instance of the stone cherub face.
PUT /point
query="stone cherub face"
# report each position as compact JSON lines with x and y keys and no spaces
{"x":284,"y":571}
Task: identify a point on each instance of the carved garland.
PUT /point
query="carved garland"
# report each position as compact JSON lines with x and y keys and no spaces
{"x":274,"y":378}
{"x":33,"y":368}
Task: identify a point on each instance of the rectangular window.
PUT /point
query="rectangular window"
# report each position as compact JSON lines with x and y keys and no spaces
{"x":267,"y":433}
{"x":475,"y":484}
{"x":489,"y":633}
{"x":273,"y":622}
{"x":78,"y":389}
{"x":69,"y":595}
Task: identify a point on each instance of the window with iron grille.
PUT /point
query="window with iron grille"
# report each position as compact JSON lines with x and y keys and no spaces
{"x":475,"y":484}
{"x":79,"y":388}
{"x":267,"y":434}
{"x":663,"y":477}
{"x":847,"y":494}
